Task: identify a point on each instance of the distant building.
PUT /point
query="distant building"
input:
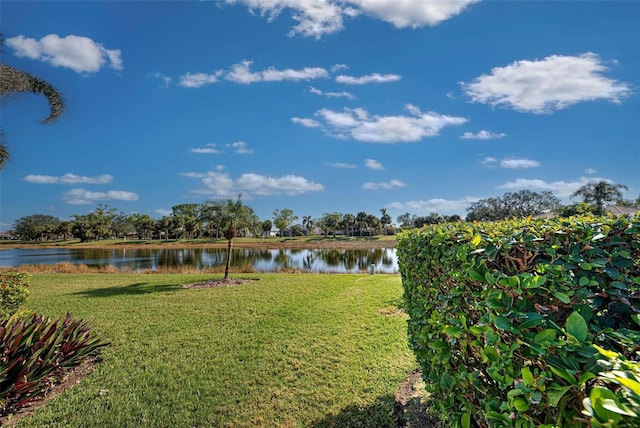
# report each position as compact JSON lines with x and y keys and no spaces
{"x":618,"y":210}
{"x":7,"y":235}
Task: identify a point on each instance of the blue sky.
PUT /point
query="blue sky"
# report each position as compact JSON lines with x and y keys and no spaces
{"x":318,"y":105}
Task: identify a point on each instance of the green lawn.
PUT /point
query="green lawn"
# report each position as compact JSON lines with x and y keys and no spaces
{"x":286,"y":350}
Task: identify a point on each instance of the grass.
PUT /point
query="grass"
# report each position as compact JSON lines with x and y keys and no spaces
{"x":286,"y":350}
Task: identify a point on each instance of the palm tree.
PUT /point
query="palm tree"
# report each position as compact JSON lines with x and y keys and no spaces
{"x":307,"y":222}
{"x":4,"y":152}
{"x":13,"y":81}
{"x":235,"y":217}
{"x":267,"y":225}
{"x":361,"y":219}
{"x":599,"y":193}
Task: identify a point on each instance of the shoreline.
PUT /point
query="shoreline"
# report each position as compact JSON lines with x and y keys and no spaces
{"x":285,"y":243}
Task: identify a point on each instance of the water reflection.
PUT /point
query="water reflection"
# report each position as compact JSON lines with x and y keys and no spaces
{"x":263,"y":260}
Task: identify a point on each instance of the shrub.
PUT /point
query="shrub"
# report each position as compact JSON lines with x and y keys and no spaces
{"x":35,"y":352}
{"x":503,"y":315}
{"x":14,"y":289}
{"x":618,"y":404}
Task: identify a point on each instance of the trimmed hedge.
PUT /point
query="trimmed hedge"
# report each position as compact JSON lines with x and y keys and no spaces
{"x":504,"y":316}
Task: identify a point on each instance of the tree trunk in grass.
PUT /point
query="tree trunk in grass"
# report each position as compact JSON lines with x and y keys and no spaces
{"x":226,"y":269}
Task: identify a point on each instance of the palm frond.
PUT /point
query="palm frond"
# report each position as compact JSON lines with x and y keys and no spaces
{"x":13,"y":81}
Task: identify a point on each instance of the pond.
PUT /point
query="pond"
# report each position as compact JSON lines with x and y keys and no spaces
{"x":262,"y":260}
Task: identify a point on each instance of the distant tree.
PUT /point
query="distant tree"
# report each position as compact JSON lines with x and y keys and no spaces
{"x":143,"y":225}
{"x":283,"y":219}
{"x":520,"y":204}
{"x":101,"y":220}
{"x":405,"y":220}
{"x":36,"y":227}
{"x":453,"y":218}
{"x":13,"y":81}
{"x":433,"y":218}
{"x":374,"y":224}
{"x":627,"y":203}
{"x":579,"y":208}
{"x":4,"y":150}
{"x":209,"y":220}
{"x":163,"y":225}
{"x":122,"y":225}
{"x":348,"y":223}
{"x":331,"y":222}
{"x":235,"y":218}
{"x":65,"y":229}
{"x":191,"y":217}
{"x":297,"y":230}
{"x":599,"y":193}
{"x":361,"y":219}
{"x":385,"y":219}
{"x":96,"y":225}
{"x":267,"y":225}
{"x":177,"y":226}
{"x":307,"y":223}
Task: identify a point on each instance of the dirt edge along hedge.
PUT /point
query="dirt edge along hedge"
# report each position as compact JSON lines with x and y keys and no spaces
{"x":504,"y":316}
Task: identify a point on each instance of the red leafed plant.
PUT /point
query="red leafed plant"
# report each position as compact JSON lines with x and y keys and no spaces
{"x":35,"y":353}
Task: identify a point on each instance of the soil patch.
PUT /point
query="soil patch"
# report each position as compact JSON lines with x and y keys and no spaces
{"x":410,"y":408}
{"x":212,"y":283}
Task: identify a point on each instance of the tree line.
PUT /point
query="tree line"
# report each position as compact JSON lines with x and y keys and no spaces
{"x":195,"y":220}
{"x":207,"y":220}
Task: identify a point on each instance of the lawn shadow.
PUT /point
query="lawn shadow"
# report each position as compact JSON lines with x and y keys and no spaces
{"x":379,"y":414}
{"x":129,"y":290}
{"x":386,"y":412}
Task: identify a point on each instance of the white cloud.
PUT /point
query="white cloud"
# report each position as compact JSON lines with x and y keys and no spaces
{"x":339,"y":67}
{"x":489,"y":161}
{"x":163,"y":212}
{"x":85,"y":197}
{"x":590,"y":171}
{"x":68,"y":178}
{"x":241,"y":73}
{"x":343,"y":94}
{"x":519,"y":163}
{"x":373,"y":164}
{"x":359,"y":125}
{"x":562,"y":189}
{"x":342,"y":165}
{"x":319,"y":17}
{"x":81,"y":54}
{"x":383,"y":186}
{"x":220,"y":184}
{"x":413,"y":13}
{"x":166,"y":80}
{"x":370,"y":78}
{"x":548,"y":85}
{"x":240,"y":147}
{"x":440,"y":206}
{"x":482,"y":135}
{"x":306,"y":122}
{"x":197,"y":80}
{"x":210,"y":149}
